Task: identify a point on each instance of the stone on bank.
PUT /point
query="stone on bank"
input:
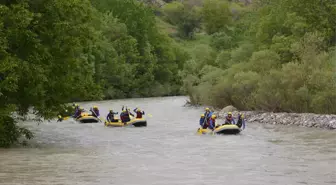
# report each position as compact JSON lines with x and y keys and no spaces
{"x":299,"y":119}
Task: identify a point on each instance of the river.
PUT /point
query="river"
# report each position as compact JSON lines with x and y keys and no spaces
{"x":169,"y":152}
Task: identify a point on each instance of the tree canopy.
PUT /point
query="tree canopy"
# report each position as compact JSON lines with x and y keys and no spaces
{"x":57,"y":51}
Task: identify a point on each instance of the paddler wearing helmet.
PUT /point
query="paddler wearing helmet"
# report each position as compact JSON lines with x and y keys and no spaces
{"x":241,"y":120}
{"x":110,"y":116}
{"x":95,"y":111}
{"x":76,"y":108}
{"x":202,"y":120}
{"x":212,"y":122}
{"x":207,"y":115}
{"x":125,"y":115}
{"x":139,"y":113}
{"x":79,"y":112}
{"x":229,"y":119}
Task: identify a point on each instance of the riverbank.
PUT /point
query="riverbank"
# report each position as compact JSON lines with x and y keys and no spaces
{"x":299,"y":119}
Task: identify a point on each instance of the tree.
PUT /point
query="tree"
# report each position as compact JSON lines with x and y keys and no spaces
{"x":216,"y":15}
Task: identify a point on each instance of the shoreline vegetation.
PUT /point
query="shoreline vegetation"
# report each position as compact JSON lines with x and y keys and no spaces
{"x":275,"y":56}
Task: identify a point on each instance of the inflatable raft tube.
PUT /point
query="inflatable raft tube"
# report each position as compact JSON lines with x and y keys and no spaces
{"x":136,"y":122}
{"x":223,"y":129}
{"x":87,"y":119}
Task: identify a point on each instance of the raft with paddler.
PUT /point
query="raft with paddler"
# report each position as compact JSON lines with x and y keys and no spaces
{"x":209,"y":126}
{"x":126,"y":118}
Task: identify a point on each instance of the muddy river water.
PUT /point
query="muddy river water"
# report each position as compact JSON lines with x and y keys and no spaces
{"x":169,"y":152}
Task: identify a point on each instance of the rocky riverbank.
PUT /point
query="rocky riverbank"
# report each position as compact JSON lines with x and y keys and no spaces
{"x":299,"y":119}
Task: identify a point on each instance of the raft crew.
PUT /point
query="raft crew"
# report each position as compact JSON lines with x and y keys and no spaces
{"x":202,"y":120}
{"x":212,"y":122}
{"x":207,"y":115}
{"x":241,"y":120}
{"x":95,"y":111}
{"x":76,"y":110}
{"x":76,"y":107}
{"x":110,"y":116}
{"x":139,"y":113}
{"x":124,"y":117}
{"x":206,"y":122}
{"x":229,"y":119}
{"x":78,"y":113}
{"x":60,"y":118}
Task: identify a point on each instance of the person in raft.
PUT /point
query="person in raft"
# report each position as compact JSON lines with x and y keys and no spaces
{"x":79,"y":112}
{"x":229,"y":119}
{"x":125,"y":115}
{"x":61,"y":115}
{"x":138,"y":113}
{"x":110,"y":116}
{"x":241,"y":120}
{"x":128,"y":111}
{"x":208,"y":113}
{"x":212,"y":122}
{"x":95,"y":111}
{"x":76,"y":111}
{"x":207,"y":116}
{"x":75,"y":106}
{"x":202,"y":121}
{"x":60,"y":118}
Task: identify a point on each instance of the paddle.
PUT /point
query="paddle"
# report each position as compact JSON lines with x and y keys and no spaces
{"x":149,"y":115}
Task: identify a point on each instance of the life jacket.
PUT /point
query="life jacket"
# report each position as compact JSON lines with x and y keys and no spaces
{"x":138,"y":114}
{"x":78,"y":113}
{"x":110,"y":116}
{"x":228,"y":119}
{"x":96,"y":111}
{"x":124,"y":116}
{"x":202,"y":121}
{"x":212,"y":123}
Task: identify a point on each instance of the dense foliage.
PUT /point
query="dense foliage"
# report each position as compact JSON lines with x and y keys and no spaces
{"x":57,"y":51}
{"x":274,"y":55}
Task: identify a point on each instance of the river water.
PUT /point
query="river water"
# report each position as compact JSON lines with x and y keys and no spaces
{"x":169,"y":152}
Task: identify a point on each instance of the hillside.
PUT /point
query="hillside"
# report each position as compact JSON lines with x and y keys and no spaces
{"x":254,"y":55}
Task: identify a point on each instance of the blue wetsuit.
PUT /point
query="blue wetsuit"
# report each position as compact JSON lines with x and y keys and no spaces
{"x":202,"y":121}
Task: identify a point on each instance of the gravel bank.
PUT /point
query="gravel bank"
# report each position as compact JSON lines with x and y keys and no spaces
{"x":299,"y":119}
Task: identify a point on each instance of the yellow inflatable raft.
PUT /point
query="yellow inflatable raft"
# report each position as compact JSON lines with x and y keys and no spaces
{"x":136,"y":122}
{"x":86,"y":118}
{"x":223,"y":129}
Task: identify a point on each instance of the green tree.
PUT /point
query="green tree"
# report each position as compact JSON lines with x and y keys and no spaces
{"x":216,"y":15}
{"x":185,"y":17}
{"x":42,"y":42}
